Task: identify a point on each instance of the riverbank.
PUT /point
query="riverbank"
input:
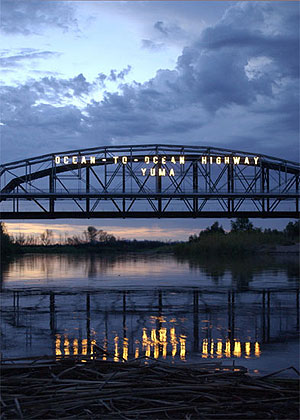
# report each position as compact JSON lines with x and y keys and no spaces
{"x":213,"y":246}
{"x":98,"y":248}
{"x":238,"y":244}
{"x":78,"y":387}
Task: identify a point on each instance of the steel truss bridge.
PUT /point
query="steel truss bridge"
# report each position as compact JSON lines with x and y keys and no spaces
{"x":150,"y":181}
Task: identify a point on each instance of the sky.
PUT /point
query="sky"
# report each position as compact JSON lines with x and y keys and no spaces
{"x":78,"y":74}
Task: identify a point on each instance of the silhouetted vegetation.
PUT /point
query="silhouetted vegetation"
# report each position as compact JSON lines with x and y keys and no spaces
{"x":7,"y":245}
{"x":242,"y":239}
{"x":91,"y":240}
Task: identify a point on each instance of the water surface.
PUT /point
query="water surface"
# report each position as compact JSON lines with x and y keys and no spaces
{"x":243,"y":311}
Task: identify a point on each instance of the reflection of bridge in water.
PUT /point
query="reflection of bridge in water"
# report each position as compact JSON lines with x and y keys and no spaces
{"x":170,"y":323}
{"x":149,"y":181}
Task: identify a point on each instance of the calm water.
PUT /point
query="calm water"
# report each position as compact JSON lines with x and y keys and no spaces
{"x":244,"y":311}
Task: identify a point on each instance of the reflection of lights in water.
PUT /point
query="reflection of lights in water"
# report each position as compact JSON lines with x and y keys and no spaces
{"x":153,"y":335}
{"x":93,"y":342}
{"x":247,"y":349}
{"x":212,"y":348}
{"x":158,"y":340}
{"x":146,"y":343}
{"x":227,"y":349}
{"x":116,"y":356}
{"x":163,"y":335}
{"x":104,"y":348}
{"x":173,"y":341}
{"x":237,"y":352}
{"x":137,"y":349}
{"x":75,"y":346}
{"x":155,"y":342}
{"x":57,"y":345}
{"x":144,"y":337}
{"x":66,"y":345}
{"x":161,"y":342}
{"x":160,"y":319}
{"x":219,"y":348}
{"x":125,"y":348}
{"x":148,"y":350}
{"x":84,"y":348}
{"x":182,"y":340}
{"x":257,"y":349}
{"x":204,"y":348}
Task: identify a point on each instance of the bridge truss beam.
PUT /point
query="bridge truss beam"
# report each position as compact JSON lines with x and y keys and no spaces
{"x":150,"y":181}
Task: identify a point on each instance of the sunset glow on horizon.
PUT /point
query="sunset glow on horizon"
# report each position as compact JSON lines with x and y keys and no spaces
{"x":65,"y":230}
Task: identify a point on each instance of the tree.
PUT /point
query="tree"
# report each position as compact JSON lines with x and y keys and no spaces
{"x":215,"y":228}
{"x":20,"y":239}
{"x":46,"y":237}
{"x":6,"y":244}
{"x":91,"y":234}
{"x":193,"y":238}
{"x":242,"y":224}
{"x":292,"y":230}
{"x":105,"y":237}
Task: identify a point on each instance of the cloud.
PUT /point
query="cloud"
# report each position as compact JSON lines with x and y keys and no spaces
{"x":151,"y":45}
{"x":115,"y":75}
{"x":235,"y":85}
{"x":24,"y":55}
{"x":33,"y":16}
{"x":171,"y":30}
{"x":160,"y":26}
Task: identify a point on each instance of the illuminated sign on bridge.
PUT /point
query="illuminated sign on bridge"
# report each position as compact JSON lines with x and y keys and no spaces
{"x":150,"y":181}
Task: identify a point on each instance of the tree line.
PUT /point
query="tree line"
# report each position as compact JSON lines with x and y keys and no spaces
{"x":90,"y":236}
{"x":243,"y":238}
{"x":91,"y":239}
{"x":244,"y":225}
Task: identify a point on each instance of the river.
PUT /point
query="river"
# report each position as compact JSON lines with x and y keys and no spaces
{"x":234,"y":311}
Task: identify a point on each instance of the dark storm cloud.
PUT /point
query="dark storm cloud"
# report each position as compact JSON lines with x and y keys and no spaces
{"x":236,"y":86}
{"x":115,"y":75}
{"x":255,"y":70}
{"x":30,"y":16}
{"x":32,"y":127}
{"x":24,"y":55}
{"x":31,"y":121}
{"x":51,"y":89}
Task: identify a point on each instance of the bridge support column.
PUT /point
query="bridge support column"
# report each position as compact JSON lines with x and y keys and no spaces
{"x":158,"y":188}
{"x":123,"y":188}
{"x":262,"y":187}
{"x":51,"y":190}
{"x":230,"y":188}
{"x":195,"y":186}
{"x":87,"y":188}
